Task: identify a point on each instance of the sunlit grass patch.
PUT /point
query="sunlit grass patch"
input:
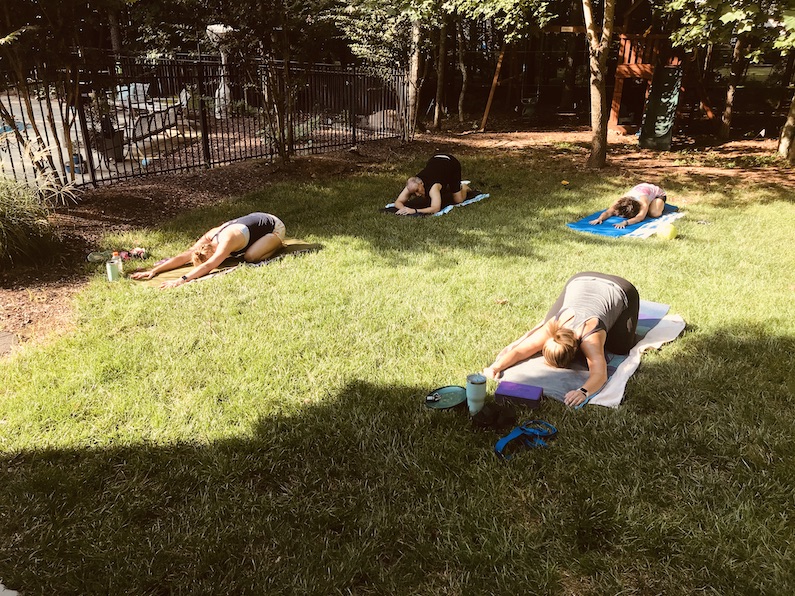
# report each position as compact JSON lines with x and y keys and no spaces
{"x":264,"y":431}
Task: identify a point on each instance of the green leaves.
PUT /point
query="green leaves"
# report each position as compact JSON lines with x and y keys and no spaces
{"x":699,"y":22}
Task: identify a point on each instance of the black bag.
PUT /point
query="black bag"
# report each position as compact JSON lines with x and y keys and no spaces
{"x":495,"y":416}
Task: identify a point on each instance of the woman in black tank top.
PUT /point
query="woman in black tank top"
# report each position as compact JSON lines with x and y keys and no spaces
{"x":253,"y":238}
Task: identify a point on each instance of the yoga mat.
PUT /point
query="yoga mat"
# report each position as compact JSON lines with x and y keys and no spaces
{"x":447,"y":209}
{"x":643,"y":229}
{"x":291,"y":247}
{"x":655,"y":328}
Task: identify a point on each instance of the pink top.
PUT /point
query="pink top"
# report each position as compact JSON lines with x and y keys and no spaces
{"x":650,"y":191}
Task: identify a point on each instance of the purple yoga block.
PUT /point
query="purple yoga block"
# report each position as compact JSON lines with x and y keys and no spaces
{"x":521,"y":395}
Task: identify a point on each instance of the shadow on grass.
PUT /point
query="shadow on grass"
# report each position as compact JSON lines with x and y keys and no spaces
{"x":686,"y":486}
{"x":355,"y":493}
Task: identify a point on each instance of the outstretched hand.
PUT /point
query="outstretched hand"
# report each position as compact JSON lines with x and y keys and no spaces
{"x":172,"y":283}
{"x":143,"y":275}
{"x":490,"y":373}
{"x":595,"y":222}
{"x":620,"y":225}
{"x":574,"y":398}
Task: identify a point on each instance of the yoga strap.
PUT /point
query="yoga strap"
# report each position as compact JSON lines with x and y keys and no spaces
{"x":532,"y":434}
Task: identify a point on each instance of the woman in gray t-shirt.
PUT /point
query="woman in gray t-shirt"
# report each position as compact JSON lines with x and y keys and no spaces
{"x":594,"y":312}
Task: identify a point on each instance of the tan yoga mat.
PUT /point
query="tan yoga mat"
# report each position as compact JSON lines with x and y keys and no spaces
{"x":291,"y":246}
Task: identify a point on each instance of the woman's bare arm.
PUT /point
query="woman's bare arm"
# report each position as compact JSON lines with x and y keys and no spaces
{"x":593,"y":347}
{"x":524,"y":347}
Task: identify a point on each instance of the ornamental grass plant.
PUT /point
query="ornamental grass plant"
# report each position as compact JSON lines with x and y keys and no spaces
{"x":25,"y":233}
{"x":264,"y":431}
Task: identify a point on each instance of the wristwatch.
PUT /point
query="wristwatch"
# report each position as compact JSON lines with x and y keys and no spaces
{"x":184,"y":278}
{"x":584,"y":391}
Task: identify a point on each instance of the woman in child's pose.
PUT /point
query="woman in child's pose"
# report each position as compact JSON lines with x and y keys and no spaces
{"x":595,"y":311}
{"x":253,"y":237}
{"x":642,"y":201}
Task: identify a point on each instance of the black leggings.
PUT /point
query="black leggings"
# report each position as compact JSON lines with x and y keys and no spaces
{"x":621,"y":336}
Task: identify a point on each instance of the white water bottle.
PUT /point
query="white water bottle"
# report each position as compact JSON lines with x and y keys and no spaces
{"x":114,"y":267}
{"x":119,"y":263}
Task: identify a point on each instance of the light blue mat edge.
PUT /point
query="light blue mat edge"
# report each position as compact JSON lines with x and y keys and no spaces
{"x":449,"y":208}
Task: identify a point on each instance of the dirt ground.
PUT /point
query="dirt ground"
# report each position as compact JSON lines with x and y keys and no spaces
{"x":36,"y":303}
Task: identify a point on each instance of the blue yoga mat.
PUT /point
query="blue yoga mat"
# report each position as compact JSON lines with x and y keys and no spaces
{"x":642,"y":229}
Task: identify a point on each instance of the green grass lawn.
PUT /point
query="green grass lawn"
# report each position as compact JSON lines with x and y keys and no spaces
{"x":264,"y":432}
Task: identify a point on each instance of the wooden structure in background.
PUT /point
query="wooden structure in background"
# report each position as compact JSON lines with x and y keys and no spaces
{"x":637,"y":56}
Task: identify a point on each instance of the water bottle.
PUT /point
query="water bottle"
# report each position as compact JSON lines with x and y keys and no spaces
{"x":476,"y":392}
{"x":119,"y":264}
{"x":114,"y":267}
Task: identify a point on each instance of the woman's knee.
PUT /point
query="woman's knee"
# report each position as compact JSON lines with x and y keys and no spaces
{"x":263,"y":248}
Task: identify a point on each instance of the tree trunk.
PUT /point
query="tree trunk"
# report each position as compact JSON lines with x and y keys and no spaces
{"x":494,"y":83}
{"x":463,"y":68}
{"x":703,"y":94}
{"x":598,"y":49}
{"x":414,"y":82}
{"x":598,"y":157}
{"x":441,"y":62}
{"x":786,"y":142}
{"x":115,"y":30}
{"x":735,"y":76}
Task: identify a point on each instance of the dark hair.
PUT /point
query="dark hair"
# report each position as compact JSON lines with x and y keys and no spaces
{"x":626,"y":207}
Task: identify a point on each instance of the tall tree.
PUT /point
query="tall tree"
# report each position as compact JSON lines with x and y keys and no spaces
{"x":786,"y":43}
{"x":391,"y":35}
{"x":512,"y":20}
{"x":598,"y":48}
{"x":441,"y":63}
{"x":750,"y":26}
{"x":38,"y":43}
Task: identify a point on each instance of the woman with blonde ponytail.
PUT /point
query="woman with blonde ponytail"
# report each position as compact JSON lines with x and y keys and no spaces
{"x":251,"y":238}
{"x":594,"y":312}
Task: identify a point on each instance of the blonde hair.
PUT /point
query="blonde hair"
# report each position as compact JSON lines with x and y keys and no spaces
{"x":559,"y":350}
{"x":201,"y":254}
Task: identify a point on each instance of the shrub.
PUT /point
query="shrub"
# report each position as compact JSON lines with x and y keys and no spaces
{"x":25,"y":233}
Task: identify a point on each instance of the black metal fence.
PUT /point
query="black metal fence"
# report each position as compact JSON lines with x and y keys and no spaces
{"x":138,"y":117}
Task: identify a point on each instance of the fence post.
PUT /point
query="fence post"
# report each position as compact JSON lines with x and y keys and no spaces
{"x":203,"y":115}
{"x":81,"y":116}
{"x":353,"y":105}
